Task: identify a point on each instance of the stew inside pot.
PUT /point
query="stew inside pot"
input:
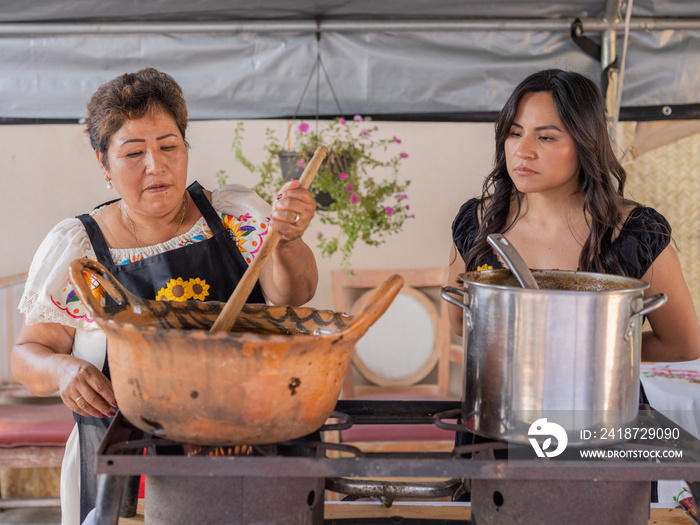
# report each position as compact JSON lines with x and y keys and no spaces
{"x":553,"y":280}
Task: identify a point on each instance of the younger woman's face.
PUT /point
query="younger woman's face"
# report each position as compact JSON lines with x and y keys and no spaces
{"x":541,"y":156}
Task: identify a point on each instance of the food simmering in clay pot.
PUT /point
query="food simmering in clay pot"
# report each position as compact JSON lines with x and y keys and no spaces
{"x":276,"y":376}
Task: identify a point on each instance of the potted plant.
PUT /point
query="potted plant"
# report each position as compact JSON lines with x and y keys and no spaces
{"x":357,"y":187}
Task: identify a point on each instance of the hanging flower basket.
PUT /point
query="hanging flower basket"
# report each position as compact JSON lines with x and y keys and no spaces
{"x":292,"y":165}
{"x":358,"y":186}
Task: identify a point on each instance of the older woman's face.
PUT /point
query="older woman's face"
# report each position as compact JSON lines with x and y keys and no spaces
{"x":148,"y":164}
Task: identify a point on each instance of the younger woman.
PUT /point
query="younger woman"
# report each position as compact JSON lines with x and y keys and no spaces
{"x":557,"y":194}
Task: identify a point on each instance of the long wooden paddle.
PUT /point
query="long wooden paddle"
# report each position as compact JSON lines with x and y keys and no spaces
{"x":235,"y":303}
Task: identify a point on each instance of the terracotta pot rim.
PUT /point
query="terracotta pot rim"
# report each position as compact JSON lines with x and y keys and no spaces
{"x":202,"y":334}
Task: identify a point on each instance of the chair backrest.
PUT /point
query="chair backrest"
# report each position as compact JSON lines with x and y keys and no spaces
{"x":408,"y":350}
{"x":11,"y":289}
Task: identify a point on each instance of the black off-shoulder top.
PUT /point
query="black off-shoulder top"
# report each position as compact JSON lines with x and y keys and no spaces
{"x":643,"y":237}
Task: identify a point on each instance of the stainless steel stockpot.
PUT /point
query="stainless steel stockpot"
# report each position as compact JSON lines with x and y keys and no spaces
{"x":569,"y":350}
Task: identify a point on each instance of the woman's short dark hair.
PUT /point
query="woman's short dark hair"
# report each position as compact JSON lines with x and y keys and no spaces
{"x":579,"y":104}
{"x":131,"y":96}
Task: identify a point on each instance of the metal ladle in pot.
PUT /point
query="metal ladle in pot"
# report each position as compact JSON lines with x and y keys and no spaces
{"x":513,"y":259}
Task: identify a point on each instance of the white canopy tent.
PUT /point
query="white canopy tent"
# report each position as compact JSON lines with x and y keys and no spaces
{"x":416,"y":60}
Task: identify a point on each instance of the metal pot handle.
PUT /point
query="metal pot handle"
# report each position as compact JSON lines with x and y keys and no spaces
{"x":451,"y":289}
{"x":444,"y":293}
{"x":650,"y":304}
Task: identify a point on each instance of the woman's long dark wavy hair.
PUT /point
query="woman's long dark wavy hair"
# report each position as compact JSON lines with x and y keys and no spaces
{"x":601,"y":177}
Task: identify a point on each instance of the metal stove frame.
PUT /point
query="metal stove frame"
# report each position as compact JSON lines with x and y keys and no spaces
{"x":120,"y":457}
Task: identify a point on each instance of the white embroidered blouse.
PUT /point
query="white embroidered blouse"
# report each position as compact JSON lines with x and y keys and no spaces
{"x":49,"y":296}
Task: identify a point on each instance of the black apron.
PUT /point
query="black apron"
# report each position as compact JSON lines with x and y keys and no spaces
{"x":147,"y":278}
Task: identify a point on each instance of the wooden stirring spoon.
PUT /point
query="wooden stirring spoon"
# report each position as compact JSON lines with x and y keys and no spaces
{"x":235,"y":303}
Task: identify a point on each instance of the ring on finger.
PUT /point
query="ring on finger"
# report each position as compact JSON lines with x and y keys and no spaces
{"x":78,"y":399}
{"x":296,"y":218}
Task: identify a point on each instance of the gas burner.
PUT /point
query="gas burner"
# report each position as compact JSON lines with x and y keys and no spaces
{"x":284,"y":483}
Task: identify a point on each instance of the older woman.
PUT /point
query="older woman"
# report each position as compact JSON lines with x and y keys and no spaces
{"x":160,"y":239}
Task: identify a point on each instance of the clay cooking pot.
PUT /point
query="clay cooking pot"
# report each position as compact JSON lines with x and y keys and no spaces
{"x":276,"y":376}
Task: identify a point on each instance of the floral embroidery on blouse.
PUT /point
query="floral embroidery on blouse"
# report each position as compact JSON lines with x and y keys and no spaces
{"x":200,"y":236}
{"x":132,"y":258}
{"x":71,"y":304}
{"x":249,"y":233}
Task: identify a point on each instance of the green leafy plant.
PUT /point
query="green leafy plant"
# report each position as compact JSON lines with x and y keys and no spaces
{"x":358,"y":183}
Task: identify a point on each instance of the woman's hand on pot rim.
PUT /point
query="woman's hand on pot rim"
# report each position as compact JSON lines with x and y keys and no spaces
{"x":292,"y":211}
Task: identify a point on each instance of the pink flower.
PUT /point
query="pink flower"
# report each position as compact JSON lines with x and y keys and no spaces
{"x":407,"y":207}
{"x":349,"y":187}
{"x":357,"y":118}
{"x":396,"y":139}
{"x":364,"y":133}
{"x":342,"y":175}
{"x":341,"y":121}
{"x":376,"y":128}
{"x":303,"y":127}
{"x":401,"y":196}
{"x":354,"y":198}
{"x":301,"y":163}
{"x":389,"y":210}
{"x":403,"y":155}
{"x":319,"y":235}
{"x":411,"y":216}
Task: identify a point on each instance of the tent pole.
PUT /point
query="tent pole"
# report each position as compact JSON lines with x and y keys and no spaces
{"x":343,"y":26}
{"x":608,"y":57}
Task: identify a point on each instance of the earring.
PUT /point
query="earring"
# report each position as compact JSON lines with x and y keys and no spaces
{"x":109,"y":182}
